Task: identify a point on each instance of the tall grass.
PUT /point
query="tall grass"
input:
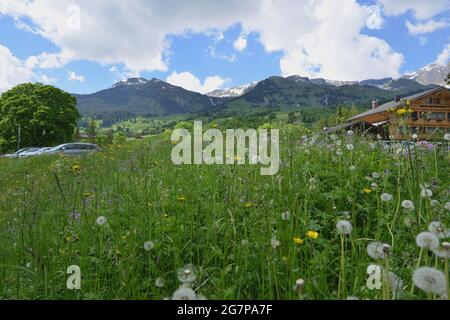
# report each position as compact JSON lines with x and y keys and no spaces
{"x":221,"y":219}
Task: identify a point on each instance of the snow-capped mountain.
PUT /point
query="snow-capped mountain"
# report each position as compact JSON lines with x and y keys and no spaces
{"x":430,"y":74}
{"x":130,"y":82}
{"x":232,"y":92}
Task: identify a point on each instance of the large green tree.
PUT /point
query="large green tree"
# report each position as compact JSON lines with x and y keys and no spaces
{"x":45,"y":115}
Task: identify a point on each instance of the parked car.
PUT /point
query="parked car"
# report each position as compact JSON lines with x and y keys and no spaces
{"x":32,"y":153}
{"x":20,"y":153}
{"x":73,"y":148}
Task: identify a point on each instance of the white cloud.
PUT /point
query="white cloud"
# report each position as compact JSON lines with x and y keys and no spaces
{"x":241,"y":43}
{"x":188,"y":81}
{"x":72,"y":76}
{"x":444,"y":57}
{"x":375,"y":20}
{"x":426,"y":27}
{"x":422,"y":9}
{"x":12,"y":70}
{"x":45,"y":79}
{"x":320,"y":38}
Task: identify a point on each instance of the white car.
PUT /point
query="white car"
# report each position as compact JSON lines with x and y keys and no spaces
{"x":32,"y":153}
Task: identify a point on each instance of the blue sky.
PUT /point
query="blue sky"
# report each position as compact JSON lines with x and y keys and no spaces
{"x":88,"y":47}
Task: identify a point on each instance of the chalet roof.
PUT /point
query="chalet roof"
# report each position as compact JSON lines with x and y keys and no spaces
{"x":393,"y":104}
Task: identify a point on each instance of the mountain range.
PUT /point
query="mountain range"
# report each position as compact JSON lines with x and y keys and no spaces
{"x":139,"y":96}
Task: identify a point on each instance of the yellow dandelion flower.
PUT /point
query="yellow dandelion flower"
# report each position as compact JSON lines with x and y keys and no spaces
{"x":237,"y":158}
{"x":118,"y":253}
{"x":367,"y":190}
{"x":248,"y":205}
{"x":181,"y":199}
{"x":298,"y":240}
{"x":215,"y":125}
{"x":312,"y":234}
{"x":76,"y":168}
{"x":284,"y":259}
{"x":401,"y":111}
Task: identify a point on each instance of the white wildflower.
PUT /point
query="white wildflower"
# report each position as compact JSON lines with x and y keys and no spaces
{"x":408,"y":204}
{"x":430,"y":280}
{"x":184,"y":294}
{"x":274,"y":243}
{"x":101,"y":220}
{"x":375,"y":175}
{"x":427,"y":240}
{"x":376,"y":250}
{"x":344,"y":227}
{"x":159,"y":282}
{"x":187,"y":274}
{"x":426,"y":193}
{"x":447,"y":136}
{"x":286,"y":216}
{"x":386,"y":197}
{"x":149,"y":245}
{"x":350,"y":147}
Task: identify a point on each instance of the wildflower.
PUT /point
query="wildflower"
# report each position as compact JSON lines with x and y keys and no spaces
{"x":74,"y":216}
{"x":149,"y":245}
{"x":415,"y":136}
{"x":401,"y":111}
{"x":444,"y":251}
{"x":244,"y":242}
{"x":298,"y":241}
{"x":187,"y":274}
{"x":339,"y":152}
{"x":367,"y":190}
{"x":76,"y":168}
{"x":274,"y":243}
{"x":101,"y":220}
{"x":376,"y":250}
{"x":375,"y":175}
{"x":447,"y":206}
{"x":344,"y":227}
{"x":434,"y":203}
{"x":427,"y":240}
{"x":350,"y":147}
{"x":374,"y":186}
{"x":386,"y":197}
{"x":248,"y":205}
{"x":286,"y":216}
{"x":352,"y":168}
{"x":159,"y":282}
{"x":437,"y":229}
{"x":184,"y":294}
{"x":181,"y":199}
{"x":299,"y":284}
{"x":447,"y":136}
{"x":426,"y":193}
{"x":350,"y":132}
{"x":408,"y":204}
{"x":215,"y":125}
{"x":312,"y":234}
{"x":430,"y":280}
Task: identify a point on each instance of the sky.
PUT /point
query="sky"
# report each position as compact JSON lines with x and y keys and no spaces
{"x":83,"y":46}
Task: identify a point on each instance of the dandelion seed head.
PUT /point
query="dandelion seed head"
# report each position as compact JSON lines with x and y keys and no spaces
{"x":447,"y":206}
{"x":426,"y":193}
{"x":352,"y":168}
{"x":386,"y":197}
{"x":187,"y":274}
{"x":437,"y":229}
{"x":376,"y":250}
{"x":427,"y":240}
{"x":430,"y":280}
{"x":184,"y":294}
{"x":447,"y":136}
{"x":408,"y":204}
{"x":344,"y":227}
{"x":350,"y":147}
{"x":350,"y":132}
{"x":149,"y":245}
{"x":375,"y":175}
{"x":274,"y":243}
{"x":101,"y":220}
{"x":434,"y":203}
{"x":159,"y":282}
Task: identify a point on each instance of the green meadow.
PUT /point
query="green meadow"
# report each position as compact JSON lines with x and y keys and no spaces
{"x":139,"y":227}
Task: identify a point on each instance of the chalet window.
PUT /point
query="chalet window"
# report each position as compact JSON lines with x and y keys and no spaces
{"x":436,"y":116}
{"x":414,"y":116}
{"x":434,"y":101}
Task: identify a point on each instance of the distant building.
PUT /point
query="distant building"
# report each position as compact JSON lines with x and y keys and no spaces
{"x":426,"y":114}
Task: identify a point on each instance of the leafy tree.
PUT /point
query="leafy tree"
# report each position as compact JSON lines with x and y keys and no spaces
{"x":45,"y":115}
{"x":447,"y":80}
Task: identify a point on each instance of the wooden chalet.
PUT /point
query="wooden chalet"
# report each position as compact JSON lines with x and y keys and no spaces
{"x":427,"y":115}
